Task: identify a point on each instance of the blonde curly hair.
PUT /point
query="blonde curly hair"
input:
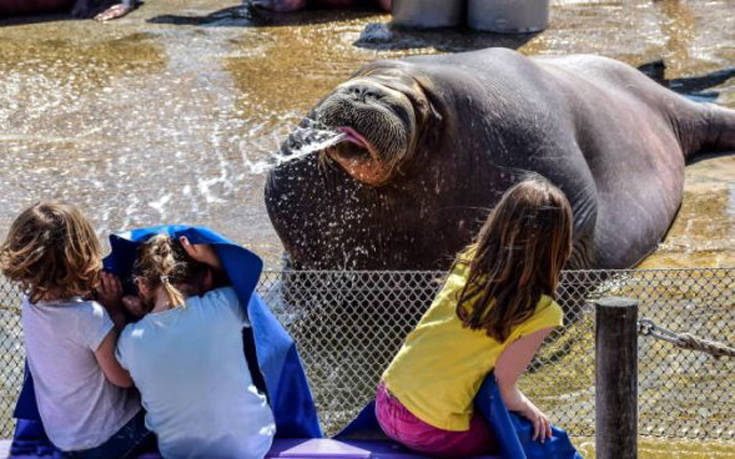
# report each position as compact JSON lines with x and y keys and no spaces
{"x":52,"y":251}
{"x":162,"y":261}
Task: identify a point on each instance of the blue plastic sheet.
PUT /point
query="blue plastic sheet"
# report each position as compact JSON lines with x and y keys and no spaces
{"x":513,"y":432}
{"x":278,"y":360}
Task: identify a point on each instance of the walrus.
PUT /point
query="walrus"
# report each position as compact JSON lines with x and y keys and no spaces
{"x":429,"y":144}
{"x":287,"y":6}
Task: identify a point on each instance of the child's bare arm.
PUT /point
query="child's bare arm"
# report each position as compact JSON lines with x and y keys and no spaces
{"x":202,"y":252}
{"x":509,"y":367}
{"x":109,"y":294}
{"x":105,"y":355}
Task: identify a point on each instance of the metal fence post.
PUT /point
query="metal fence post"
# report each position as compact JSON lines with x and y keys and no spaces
{"x":616,"y":378}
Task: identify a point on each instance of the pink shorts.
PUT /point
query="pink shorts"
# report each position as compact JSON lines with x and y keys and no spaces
{"x":399,"y":424}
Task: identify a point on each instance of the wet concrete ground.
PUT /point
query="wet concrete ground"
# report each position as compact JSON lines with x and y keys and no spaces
{"x":168,"y":114}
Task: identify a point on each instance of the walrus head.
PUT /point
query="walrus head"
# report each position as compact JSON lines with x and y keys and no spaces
{"x":380,"y":198}
{"x":384,"y":114}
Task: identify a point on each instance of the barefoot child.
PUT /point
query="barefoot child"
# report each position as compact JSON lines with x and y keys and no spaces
{"x":186,"y":356}
{"x":52,"y":252}
{"x":492,"y":314}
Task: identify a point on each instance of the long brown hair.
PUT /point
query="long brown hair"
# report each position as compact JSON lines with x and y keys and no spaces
{"x":162,"y":261}
{"x":518,"y":256}
{"x":52,"y":251}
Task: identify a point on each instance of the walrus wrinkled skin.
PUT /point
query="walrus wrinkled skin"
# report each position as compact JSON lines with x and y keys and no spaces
{"x":431,"y":142}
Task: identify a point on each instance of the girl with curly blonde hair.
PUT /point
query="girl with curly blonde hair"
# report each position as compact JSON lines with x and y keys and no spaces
{"x":51,"y":251}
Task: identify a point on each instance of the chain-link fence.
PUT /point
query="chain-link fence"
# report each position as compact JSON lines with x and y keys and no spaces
{"x":348,"y":326}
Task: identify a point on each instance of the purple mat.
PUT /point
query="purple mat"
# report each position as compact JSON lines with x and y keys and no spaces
{"x":322,"y":448}
{"x":353,"y":449}
{"x":327,"y":448}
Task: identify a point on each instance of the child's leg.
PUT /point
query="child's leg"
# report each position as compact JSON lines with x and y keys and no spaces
{"x":401,"y":425}
{"x":132,"y":439}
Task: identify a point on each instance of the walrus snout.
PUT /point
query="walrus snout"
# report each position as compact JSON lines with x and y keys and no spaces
{"x":378,"y":124}
{"x":359,"y":158}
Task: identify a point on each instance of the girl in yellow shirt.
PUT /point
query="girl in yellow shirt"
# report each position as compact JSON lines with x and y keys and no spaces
{"x":492,"y":314}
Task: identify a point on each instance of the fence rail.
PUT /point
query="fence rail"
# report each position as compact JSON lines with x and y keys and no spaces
{"x":348,"y":326}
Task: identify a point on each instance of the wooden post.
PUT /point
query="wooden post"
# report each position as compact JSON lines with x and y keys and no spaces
{"x":616,"y":378}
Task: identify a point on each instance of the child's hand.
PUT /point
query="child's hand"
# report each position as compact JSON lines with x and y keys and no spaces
{"x":541,"y":423}
{"x":201,"y":252}
{"x":134,"y":306}
{"x":110,"y":292}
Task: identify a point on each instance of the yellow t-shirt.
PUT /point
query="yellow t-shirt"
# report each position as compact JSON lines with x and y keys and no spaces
{"x":439,"y":369}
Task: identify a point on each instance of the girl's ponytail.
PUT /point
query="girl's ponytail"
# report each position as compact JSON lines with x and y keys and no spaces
{"x":174,"y":295}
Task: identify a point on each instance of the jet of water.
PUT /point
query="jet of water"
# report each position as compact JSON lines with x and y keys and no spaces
{"x":303,"y":141}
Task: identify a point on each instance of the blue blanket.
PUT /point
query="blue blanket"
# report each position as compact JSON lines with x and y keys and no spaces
{"x":512,"y":431}
{"x":278,"y":361}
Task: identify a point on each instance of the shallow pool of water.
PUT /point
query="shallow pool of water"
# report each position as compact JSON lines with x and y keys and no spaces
{"x":168,"y":114}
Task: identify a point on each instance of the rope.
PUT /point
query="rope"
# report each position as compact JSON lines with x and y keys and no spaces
{"x":646,"y":327}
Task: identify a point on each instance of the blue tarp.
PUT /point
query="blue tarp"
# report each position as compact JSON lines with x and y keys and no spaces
{"x":278,"y":360}
{"x":512,"y":431}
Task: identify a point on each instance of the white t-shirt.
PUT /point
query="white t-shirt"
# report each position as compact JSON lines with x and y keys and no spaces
{"x":79,"y":408}
{"x":189,"y":366}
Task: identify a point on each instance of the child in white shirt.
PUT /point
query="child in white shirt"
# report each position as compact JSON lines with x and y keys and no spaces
{"x":186,"y":356}
{"x":52,"y":252}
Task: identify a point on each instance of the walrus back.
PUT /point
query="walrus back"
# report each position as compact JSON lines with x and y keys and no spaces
{"x":700,"y":127}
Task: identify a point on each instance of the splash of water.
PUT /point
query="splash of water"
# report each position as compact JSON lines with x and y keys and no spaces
{"x":301,"y":142}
